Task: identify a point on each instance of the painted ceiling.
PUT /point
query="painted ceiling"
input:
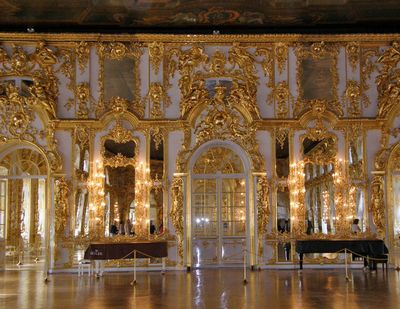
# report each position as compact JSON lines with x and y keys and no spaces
{"x":184,"y":15}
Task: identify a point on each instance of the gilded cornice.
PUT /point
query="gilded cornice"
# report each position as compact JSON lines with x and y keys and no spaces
{"x":64,"y":38}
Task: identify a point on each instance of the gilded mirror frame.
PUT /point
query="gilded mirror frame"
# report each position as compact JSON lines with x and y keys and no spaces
{"x":119,"y":51}
{"x":315,"y":52}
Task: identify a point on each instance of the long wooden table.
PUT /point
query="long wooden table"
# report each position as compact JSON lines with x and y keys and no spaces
{"x":363,"y":247}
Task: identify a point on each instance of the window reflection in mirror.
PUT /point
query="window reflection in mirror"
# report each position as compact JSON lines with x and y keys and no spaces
{"x":156,"y":192}
{"x":119,"y":78}
{"x":120,"y":199}
{"x":283,"y":199}
{"x":82,"y":212}
{"x":119,"y":184}
{"x":319,"y":156}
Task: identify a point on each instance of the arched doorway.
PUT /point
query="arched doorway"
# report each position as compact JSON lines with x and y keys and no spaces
{"x":23,"y":183}
{"x":219,"y":204}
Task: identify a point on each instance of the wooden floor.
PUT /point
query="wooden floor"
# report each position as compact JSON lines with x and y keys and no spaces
{"x":207,"y":288}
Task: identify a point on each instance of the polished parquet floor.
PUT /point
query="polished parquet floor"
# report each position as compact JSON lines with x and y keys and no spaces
{"x":206,"y":288}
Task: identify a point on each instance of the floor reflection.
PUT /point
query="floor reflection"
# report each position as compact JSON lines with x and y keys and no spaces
{"x":206,"y":288}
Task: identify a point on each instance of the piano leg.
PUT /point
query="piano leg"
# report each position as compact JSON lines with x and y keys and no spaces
{"x":301,"y":260}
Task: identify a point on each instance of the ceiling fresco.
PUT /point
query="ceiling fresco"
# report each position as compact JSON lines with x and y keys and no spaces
{"x":114,"y":15}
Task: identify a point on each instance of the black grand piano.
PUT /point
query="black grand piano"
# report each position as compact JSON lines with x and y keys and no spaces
{"x":364,"y":247}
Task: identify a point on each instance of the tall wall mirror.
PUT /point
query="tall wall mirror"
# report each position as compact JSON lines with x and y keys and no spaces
{"x":156,"y":191}
{"x":283,"y":197}
{"x":120,"y":150}
{"x":119,"y":72}
{"x":81,"y":165}
{"x":319,"y":198}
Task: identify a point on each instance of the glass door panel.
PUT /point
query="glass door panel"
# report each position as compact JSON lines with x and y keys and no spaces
{"x":233,"y":207}
{"x":205,"y":210}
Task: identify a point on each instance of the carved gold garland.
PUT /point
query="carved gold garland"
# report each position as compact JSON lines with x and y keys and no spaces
{"x":176,"y":213}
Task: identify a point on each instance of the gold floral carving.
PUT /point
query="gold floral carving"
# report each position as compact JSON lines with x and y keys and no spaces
{"x":82,"y":50}
{"x":377,"y":206}
{"x":119,"y":160}
{"x":368,"y":65}
{"x":282,"y":96}
{"x":263,"y":206}
{"x":223,"y":122}
{"x":157,"y":134}
{"x":84,"y":99}
{"x":388,"y":80}
{"x":156,"y":53}
{"x":61,"y":207}
{"x":195,"y":67}
{"x":176,"y":213}
{"x":353,"y":54}
{"x":353,"y":96}
{"x":281,"y":55}
{"x":267,"y":63}
{"x":281,"y":134}
{"x":156,"y":97}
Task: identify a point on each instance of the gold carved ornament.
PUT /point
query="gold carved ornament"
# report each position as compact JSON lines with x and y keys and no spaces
{"x":61,"y":207}
{"x":283,"y":98}
{"x":156,"y":54}
{"x":388,"y":80}
{"x":176,"y":212}
{"x":155,"y":97}
{"x":82,"y":50}
{"x":353,"y":95}
{"x":353,"y":54}
{"x":84,"y":99}
{"x":263,"y":205}
{"x":377,"y":206}
{"x":223,"y":122}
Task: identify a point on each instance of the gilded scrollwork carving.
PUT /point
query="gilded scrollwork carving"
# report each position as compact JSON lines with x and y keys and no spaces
{"x":263,"y":206}
{"x":177,"y":210}
{"x":61,"y":207}
{"x":82,"y":50}
{"x":353,"y":53}
{"x":281,"y":134}
{"x":388,"y":80}
{"x":84,"y":100}
{"x":281,"y":55}
{"x":156,"y":53}
{"x":377,"y":206}
{"x":283,"y":98}
{"x":158,"y":99}
{"x":353,"y":96}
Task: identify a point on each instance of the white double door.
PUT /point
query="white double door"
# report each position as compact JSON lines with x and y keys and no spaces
{"x":219,"y":219}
